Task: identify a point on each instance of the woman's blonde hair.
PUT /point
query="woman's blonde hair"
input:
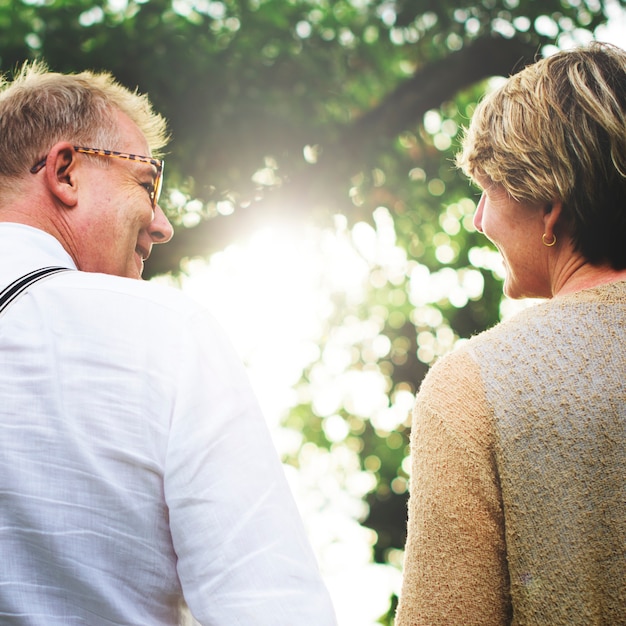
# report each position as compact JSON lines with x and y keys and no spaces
{"x":39,"y":108}
{"x":557,"y":131}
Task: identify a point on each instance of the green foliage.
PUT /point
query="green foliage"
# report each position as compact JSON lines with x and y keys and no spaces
{"x":291,"y":109}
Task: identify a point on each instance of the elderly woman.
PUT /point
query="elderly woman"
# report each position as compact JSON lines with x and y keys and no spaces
{"x":517,"y":512}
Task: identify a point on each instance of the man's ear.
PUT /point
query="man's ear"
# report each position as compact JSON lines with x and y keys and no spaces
{"x":61,"y":175}
{"x":551,"y":214}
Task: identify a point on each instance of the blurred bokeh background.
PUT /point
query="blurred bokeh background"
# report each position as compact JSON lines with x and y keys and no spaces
{"x":319,"y":215}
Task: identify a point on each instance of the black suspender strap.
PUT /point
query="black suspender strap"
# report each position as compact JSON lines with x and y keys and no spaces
{"x":18,"y":286}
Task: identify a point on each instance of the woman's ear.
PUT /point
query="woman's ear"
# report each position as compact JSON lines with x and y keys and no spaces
{"x":551,"y":214}
{"x":60,"y":173}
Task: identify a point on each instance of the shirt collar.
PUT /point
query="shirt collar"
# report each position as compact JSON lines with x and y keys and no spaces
{"x":24,"y":249}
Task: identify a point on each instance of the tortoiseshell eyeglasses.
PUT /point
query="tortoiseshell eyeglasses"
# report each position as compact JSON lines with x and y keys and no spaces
{"x":154,"y":190}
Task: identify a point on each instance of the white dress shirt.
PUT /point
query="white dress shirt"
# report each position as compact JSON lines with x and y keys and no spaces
{"x":135,"y":467}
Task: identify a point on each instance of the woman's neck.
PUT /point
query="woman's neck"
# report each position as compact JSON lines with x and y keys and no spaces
{"x":589,"y":276}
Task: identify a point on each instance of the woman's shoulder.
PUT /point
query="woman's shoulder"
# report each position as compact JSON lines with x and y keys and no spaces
{"x":463,"y":364}
{"x":457,"y":362}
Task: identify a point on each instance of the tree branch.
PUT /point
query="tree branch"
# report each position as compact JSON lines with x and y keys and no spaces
{"x":355,"y":148}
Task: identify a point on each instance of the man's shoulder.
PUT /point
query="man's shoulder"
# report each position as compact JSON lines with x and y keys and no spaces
{"x":129,"y":291}
{"x":125,"y":305}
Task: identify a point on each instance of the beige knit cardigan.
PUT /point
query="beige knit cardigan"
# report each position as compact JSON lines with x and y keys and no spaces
{"x":517,"y":511}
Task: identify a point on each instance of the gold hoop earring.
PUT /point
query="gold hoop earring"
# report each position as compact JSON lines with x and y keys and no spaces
{"x":545,"y":243}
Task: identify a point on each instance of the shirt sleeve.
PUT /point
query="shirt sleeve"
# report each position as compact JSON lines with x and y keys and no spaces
{"x":243,"y":555}
{"x":455,"y":568}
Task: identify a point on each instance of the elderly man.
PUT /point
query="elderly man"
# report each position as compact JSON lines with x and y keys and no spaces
{"x":137,"y":474}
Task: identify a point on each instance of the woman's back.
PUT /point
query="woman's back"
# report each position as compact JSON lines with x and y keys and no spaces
{"x":554,"y":382}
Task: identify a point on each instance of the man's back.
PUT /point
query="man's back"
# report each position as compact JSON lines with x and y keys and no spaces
{"x":133,"y":461}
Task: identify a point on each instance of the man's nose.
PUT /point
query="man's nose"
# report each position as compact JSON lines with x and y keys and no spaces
{"x":160,"y":229}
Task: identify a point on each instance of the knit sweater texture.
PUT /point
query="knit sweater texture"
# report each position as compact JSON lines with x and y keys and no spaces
{"x":517,"y":511}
